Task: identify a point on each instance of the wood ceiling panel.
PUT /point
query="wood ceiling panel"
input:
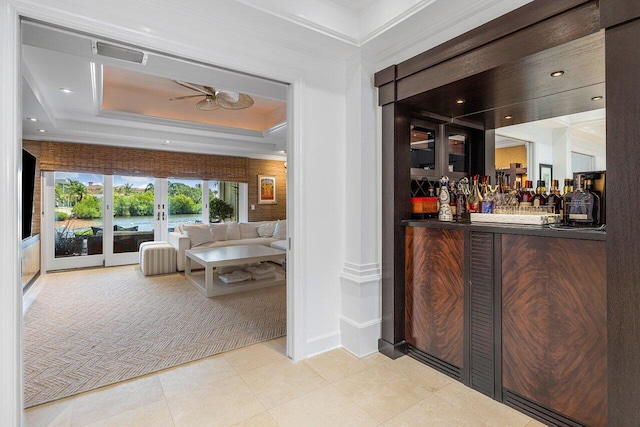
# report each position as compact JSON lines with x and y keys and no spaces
{"x":526,"y":85}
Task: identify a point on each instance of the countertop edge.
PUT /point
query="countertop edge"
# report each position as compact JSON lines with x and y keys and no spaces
{"x":528,"y":230}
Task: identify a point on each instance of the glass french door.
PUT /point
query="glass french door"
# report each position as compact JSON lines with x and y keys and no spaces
{"x":96,"y":220}
{"x":74,"y":220}
{"x":130,"y":217}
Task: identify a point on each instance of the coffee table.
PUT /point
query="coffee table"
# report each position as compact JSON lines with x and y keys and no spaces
{"x":210,"y":284}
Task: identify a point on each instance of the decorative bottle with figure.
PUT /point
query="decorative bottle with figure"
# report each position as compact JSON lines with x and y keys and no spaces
{"x":444,"y":213}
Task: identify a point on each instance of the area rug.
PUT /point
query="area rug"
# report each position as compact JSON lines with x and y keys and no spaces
{"x":90,"y":328}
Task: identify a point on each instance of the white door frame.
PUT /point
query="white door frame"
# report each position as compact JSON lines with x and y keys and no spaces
{"x":11,"y":367}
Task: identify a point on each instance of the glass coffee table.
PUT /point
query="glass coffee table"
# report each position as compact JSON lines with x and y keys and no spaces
{"x":209,"y":283}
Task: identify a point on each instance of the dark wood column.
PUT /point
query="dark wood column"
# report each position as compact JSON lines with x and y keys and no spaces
{"x":623,"y":226}
{"x":396,"y":205}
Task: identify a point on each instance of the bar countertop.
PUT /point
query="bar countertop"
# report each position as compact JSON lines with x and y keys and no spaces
{"x":563,"y":232}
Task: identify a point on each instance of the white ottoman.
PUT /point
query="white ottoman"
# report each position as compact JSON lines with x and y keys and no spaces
{"x":157,"y":258}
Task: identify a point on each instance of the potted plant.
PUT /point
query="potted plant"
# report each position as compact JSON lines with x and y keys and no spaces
{"x":219,"y":210}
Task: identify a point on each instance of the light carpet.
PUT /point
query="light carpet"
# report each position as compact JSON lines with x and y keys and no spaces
{"x":90,"y":328}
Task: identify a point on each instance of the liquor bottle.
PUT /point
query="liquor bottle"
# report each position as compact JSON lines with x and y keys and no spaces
{"x":526,"y":195}
{"x":475,"y":198}
{"x":584,"y":208}
{"x":555,"y":199}
{"x":453,"y":198}
{"x":566,"y":199}
{"x":540,"y":198}
{"x":461,"y":198}
{"x":484,"y":185}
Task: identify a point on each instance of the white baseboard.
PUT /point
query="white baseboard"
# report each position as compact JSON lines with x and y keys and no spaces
{"x":323,"y":343}
{"x":360,"y":339}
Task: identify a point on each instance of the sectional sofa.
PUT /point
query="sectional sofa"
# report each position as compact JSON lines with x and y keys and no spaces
{"x":187,"y":236}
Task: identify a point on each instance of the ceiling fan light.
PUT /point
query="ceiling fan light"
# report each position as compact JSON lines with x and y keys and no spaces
{"x":228,"y":95}
{"x":244,"y":101}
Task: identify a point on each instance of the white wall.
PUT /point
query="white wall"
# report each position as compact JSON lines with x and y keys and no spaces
{"x":316,"y":164}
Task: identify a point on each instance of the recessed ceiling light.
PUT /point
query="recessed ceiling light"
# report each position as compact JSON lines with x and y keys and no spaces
{"x":41,"y":130}
{"x":508,"y":117}
{"x":597,"y":98}
{"x":32,"y":119}
{"x":460,"y":101}
{"x":65,"y":90}
{"x":166,"y":141}
{"x":557,"y":73}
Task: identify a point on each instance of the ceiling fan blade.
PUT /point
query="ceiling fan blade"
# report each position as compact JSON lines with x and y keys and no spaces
{"x":195,"y":87}
{"x":184,"y":97}
{"x":244,"y":101}
{"x":207,"y":104}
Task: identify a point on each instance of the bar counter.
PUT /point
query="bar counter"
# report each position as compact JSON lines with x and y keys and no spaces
{"x":563,"y":232}
{"x":516,"y":312}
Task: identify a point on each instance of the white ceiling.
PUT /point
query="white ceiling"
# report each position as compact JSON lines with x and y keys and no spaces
{"x":589,"y":125}
{"x":332,"y":29}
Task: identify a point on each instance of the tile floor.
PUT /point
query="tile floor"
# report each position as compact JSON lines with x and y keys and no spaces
{"x":259,"y":386}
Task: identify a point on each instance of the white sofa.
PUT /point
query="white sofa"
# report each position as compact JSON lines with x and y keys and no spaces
{"x":187,"y":236}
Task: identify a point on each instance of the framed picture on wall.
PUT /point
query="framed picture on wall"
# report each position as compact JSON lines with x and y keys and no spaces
{"x":267,"y":190}
{"x":546,"y":174}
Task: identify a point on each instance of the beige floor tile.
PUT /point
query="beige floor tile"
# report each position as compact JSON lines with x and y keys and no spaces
{"x":488,"y":410}
{"x":281,"y":382}
{"x":374,"y":359}
{"x":323,"y":407}
{"x":419,"y":373}
{"x":183,"y":379}
{"x":435,"y":412}
{"x":254,"y":356}
{"x":381,"y":392}
{"x":113,"y":400}
{"x":153,"y":415}
{"x":261,"y":420}
{"x":54,"y":414}
{"x":221,"y":403}
{"x":336,"y":365}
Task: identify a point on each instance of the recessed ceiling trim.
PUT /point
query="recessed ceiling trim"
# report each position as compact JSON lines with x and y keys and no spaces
{"x":187,"y":126}
{"x":28,"y":77}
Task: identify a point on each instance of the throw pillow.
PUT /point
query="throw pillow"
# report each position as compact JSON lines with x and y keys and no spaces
{"x":219,"y":232}
{"x":280,"y":231}
{"x":199,"y":234}
{"x":266,"y":229}
{"x":248,"y":230}
{"x":233,"y":231}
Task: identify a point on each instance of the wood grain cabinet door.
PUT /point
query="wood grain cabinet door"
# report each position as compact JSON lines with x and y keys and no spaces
{"x":554,"y":324}
{"x":434,"y":298}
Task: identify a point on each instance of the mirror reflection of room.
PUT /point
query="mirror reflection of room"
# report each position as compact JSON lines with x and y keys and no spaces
{"x":563,"y":146}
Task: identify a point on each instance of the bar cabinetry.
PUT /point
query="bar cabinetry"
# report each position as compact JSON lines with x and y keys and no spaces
{"x":554,"y":325}
{"x":517,"y":313}
{"x":434,"y":309}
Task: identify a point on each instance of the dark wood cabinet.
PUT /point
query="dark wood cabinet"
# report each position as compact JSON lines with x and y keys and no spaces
{"x":434,"y":297}
{"x":554,"y":325}
{"x":483,"y":316}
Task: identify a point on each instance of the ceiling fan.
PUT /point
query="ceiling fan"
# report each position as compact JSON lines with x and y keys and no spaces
{"x":214,"y":99}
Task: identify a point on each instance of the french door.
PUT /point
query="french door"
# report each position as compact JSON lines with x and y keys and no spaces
{"x":93,"y":220}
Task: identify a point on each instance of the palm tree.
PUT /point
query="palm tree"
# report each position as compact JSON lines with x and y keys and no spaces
{"x":126,"y":189}
{"x":150,"y":187}
{"x":76,"y":191}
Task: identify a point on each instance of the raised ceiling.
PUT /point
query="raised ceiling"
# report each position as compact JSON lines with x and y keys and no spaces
{"x":117,"y":102}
